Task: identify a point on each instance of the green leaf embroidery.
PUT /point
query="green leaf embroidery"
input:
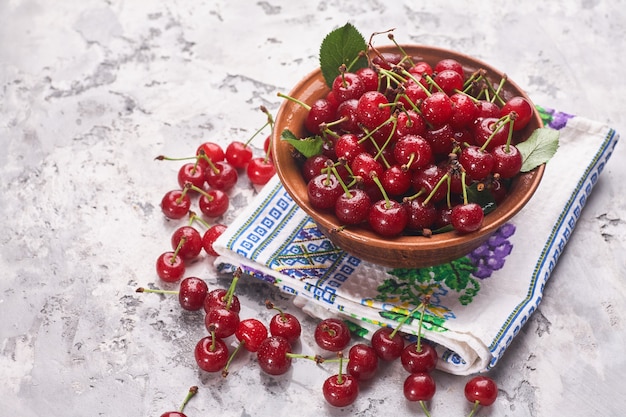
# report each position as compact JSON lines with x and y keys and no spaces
{"x":308,"y":147}
{"x":342,"y":46}
{"x":538,"y":148}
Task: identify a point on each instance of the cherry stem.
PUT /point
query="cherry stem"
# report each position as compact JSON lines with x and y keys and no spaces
{"x":418,"y":345}
{"x":316,"y":358}
{"x":270,"y":306}
{"x":167,"y":158}
{"x":423,"y":404}
{"x":270,"y":122}
{"x":474,"y":409}
{"x":199,"y":190}
{"x":231,"y":289}
{"x":181,"y":242}
{"x":295,"y":100}
{"x":499,"y":124}
{"x":194,"y":217}
{"x":404,"y":319}
{"x":156,"y":291}
{"x":382,"y":189}
{"x":463,"y":186}
{"x":445,"y":177}
{"x":497,"y":91}
{"x":340,"y":373}
{"x":232,"y":356}
{"x":211,"y":330}
{"x":192,"y":391}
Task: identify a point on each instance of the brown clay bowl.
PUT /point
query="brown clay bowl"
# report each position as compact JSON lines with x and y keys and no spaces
{"x":401,"y":251}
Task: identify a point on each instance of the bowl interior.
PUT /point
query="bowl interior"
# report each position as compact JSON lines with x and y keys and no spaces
{"x":400,"y":251}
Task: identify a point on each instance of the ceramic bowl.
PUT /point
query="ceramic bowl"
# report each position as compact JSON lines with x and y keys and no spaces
{"x":401,"y":251}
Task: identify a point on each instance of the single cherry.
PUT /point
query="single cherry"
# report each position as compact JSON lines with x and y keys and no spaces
{"x":211,"y":353}
{"x":273,"y":355}
{"x":284,"y":324}
{"x":340,"y":390}
{"x":481,"y":390}
{"x":362,"y":361}
{"x":332,"y":334}
{"x":192,"y":292}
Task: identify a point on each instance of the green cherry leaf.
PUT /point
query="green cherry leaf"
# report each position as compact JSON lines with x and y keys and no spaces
{"x":342,"y":46}
{"x":308,"y":147}
{"x":539,"y":148}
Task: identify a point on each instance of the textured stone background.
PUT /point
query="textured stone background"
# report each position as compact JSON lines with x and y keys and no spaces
{"x":92,"y":90}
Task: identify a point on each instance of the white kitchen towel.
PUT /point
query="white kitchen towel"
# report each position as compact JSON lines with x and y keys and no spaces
{"x":478,"y":303}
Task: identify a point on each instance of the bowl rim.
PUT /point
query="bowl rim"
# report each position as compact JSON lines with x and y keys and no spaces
{"x":310,"y":86}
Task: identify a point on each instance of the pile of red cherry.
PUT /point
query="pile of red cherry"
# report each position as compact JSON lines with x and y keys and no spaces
{"x":272,"y":346}
{"x":403,"y":141}
{"x":206,"y":181}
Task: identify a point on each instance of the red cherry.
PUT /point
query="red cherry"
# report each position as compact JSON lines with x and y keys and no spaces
{"x":238,"y":154}
{"x":421,"y":68}
{"x":191,"y":173}
{"x":388,"y":217}
{"x":437,"y":109}
{"x":387,"y":343}
{"x":192,"y":292}
{"x":323,"y":191}
{"x":210,"y":236}
{"x":465,"y":110}
{"x":410,"y":123}
{"x":369,"y":76}
{"x":348,"y":86}
{"x":489,"y":129}
{"x":421,"y":216}
{"x":340,"y":390}
{"x":352,"y":208}
{"x":450,"y":81}
{"x":175,"y":204}
{"x":362,"y":361}
{"x":348,"y":146}
{"x":422,"y":360}
{"x":413,"y":152}
{"x":419,"y":386}
{"x":273,"y":355}
{"x":286,"y":325}
{"x":222,"y":320}
{"x":507,"y":161}
{"x":477,"y":163}
{"x":210,"y":150}
{"x":251,"y":332}
{"x":191,"y":246}
{"x":260,"y":170}
{"x":364,"y":165}
{"x":313,"y":166}
{"x":467,"y":218}
{"x":373,"y":109}
{"x":396,"y":180}
{"x":217,"y":299}
{"x":211,"y":353}
{"x":332,"y":334}
{"x":221,"y":176}
{"x":214,"y":203}
{"x":170,"y":267}
{"x":522,"y":107}
{"x":322,"y":111}
{"x":481,"y":390}
{"x":449,"y":64}
{"x":348,"y":113}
